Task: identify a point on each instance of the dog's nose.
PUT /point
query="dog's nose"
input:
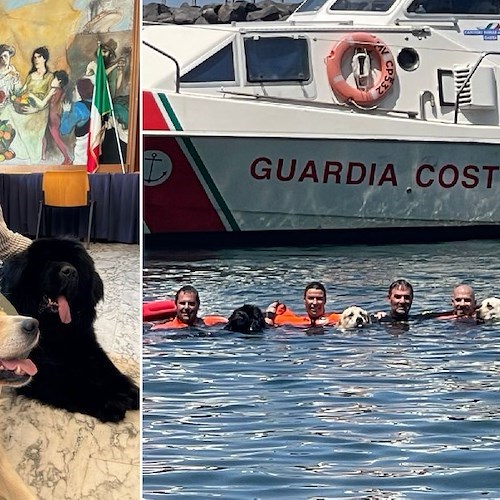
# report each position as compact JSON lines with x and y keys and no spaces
{"x":68,"y":271}
{"x":29,"y":326}
{"x":359,"y":321}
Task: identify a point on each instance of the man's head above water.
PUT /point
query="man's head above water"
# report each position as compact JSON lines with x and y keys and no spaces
{"x":463,"y":301}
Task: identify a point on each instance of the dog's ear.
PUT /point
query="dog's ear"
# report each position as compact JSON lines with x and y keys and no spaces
{"x":257,"y":325}
{"x":97,"y":289}
{"x":258,"y":322}
{"x":233,"y":320}
{"x":13,"y":271}
{"x":16,"y":277}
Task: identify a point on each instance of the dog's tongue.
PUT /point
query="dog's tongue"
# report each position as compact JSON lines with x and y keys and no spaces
{"x":64,"y":312}
{"x":25,"y":365}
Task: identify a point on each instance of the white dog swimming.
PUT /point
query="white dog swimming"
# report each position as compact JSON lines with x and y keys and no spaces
{"x":354,"y":317}
{"x":489,"y":310}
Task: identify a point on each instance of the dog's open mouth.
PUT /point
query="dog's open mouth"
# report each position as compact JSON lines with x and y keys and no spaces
{"x":16,"y":371}
{"x":59,"y":305}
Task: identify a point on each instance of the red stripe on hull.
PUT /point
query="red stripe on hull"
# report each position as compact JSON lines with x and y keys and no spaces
{"x":152,"y":119}
{"x":180,"y":203}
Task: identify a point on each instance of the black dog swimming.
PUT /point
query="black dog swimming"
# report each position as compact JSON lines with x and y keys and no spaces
{"x":55,"y":281}
{"x":246,"y":319}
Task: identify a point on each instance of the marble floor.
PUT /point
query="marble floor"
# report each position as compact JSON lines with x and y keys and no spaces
{"x":60,"y":455}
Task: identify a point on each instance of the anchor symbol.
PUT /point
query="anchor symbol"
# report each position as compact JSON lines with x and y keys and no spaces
{"x":157,"y":167}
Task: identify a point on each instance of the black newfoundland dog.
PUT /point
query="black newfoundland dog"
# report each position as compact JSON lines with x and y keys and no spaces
{"x":55,"y":281}
{"x":246,"y":319}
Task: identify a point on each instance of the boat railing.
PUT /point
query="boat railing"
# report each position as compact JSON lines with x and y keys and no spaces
{"x":173,"y":59}
{"x":439,"y":23}
{"x":469,"y":76}
{"x":314,"y":104}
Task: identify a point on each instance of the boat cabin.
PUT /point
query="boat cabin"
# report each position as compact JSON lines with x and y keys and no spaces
{"x":433,"y":60}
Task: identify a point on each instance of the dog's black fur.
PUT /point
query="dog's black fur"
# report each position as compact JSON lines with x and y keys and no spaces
{"x":74,"y":372}
{"x":246,"y":319}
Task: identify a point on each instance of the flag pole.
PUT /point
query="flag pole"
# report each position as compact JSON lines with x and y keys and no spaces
{"x":102,"y":104}
{"x":114,"y":123}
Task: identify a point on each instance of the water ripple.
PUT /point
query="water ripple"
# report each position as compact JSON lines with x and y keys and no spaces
{"x":372,"y":414}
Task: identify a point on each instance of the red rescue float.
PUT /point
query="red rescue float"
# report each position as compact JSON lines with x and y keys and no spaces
{"x":383,"y":56}
{"x":159,"y":309}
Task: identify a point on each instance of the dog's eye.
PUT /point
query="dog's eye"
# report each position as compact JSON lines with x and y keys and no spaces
{"x":489,"y":306}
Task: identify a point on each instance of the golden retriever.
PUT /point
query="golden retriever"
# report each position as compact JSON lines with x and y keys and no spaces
{"x":489,"y":310}
{"x":353,"y":317}
{"x":18,"y":335}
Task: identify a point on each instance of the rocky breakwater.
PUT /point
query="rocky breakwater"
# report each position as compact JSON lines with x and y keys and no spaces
{"x":265,"y":10}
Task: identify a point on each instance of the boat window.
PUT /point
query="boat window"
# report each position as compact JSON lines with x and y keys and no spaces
{"x":455,"y":7}
{"x":217,"y":68}
{"x":310,"y":6}
{"x":364,"y":5}
{"x":277,"y":59}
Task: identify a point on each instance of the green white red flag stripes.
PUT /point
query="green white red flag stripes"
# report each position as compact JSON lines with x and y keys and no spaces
{"x":101,"y":105}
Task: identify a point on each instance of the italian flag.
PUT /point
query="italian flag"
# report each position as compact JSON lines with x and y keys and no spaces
{"x":101,"y":105}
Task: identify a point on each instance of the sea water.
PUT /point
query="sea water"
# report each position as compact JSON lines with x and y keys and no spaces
{"x":382,"y":412}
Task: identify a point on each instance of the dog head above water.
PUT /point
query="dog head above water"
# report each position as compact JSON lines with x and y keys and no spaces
{"x":246,"y":319}
{"x":55,"y":281}
{"x":18,"y":335}
{"x":489,"y":310}
{"x":354,"y":317}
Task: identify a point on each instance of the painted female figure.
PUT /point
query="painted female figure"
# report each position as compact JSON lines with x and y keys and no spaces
{"x":54,"y":100}
{"x":32,"y":119}
{"x":39,"y":78}
{"x":9,"y":77}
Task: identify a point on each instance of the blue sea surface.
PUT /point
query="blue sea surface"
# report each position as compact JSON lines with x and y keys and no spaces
{"x":376,"y":413}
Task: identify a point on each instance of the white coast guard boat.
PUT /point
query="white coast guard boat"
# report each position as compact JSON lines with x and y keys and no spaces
{"x":350,"y":117}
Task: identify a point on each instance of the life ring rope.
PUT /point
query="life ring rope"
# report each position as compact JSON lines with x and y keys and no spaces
{"x":381,"y":53}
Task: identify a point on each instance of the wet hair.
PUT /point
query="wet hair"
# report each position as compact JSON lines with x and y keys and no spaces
{"x":44,"y":52}
{"x":315,"y":285}
{"x":400,"y":284}
{"x":7,"y":48}
{"x":188,"y":289}
{"x":62,"y":76}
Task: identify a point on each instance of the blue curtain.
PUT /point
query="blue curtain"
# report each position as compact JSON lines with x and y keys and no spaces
{"x":116,"y":210}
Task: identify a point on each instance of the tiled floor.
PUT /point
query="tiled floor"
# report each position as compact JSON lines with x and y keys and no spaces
{"x":73,"y":456}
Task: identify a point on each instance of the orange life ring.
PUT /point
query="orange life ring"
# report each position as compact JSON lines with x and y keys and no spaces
{"x":159,"y":309}
{"x":381,"y":53}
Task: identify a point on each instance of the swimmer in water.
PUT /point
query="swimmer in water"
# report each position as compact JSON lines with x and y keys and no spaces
{"x":187,"y":304}
{"x":400,"y":297}
{"x":314,"y":301}
{"x":463,"y":300}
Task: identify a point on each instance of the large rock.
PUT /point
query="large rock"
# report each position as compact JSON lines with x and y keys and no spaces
{"x":152,"y":11}
{"x":270,"y":13}
{"x":185,"y":14}
{"x":230,"y":12}
{"x":209,"y":14}
{"x":285,"y":9}
{"x":166,"y":17}
{"x":201,"y":20}
{"x":239,"y":11}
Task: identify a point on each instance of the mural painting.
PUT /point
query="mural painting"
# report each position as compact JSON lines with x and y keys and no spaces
{"x":47,"y":71}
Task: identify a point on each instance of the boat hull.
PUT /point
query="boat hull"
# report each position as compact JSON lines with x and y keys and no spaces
{"x":223,"y":184}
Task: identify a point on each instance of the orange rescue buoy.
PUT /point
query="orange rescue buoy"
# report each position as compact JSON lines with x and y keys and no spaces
{"x":382,"y":54}
{"x":159,"y":309}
